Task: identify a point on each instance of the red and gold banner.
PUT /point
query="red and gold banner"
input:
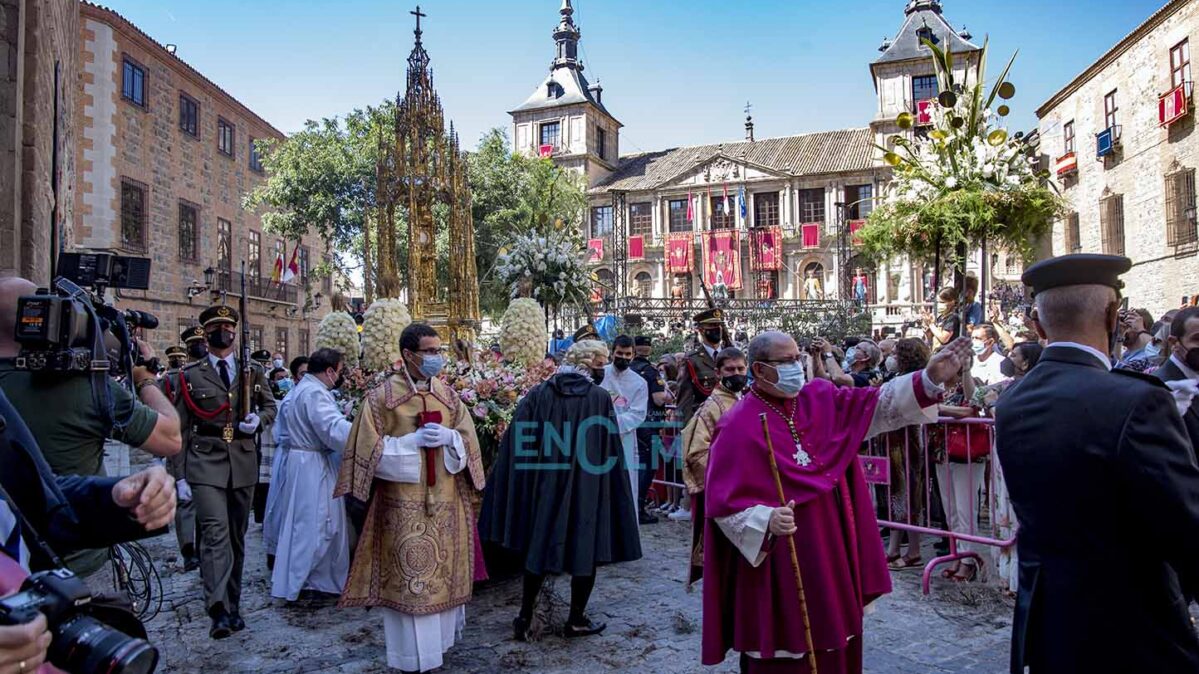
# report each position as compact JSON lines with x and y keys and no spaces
{"x":811,"y":235}
{"x":678,"y":253}
{"x":722,"y":258}
{"x":766,"y":248}
{"x":595,"y":250}
{"x":636,"y":247}
{"x":854,"y":226}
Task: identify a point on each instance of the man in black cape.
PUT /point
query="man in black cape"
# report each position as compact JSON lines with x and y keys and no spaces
{"x":558,"y":494}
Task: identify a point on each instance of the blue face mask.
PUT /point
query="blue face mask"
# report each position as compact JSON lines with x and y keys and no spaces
{"x":979,"y":347}
{"x":431,"y":366}
{"x":851,"y":355}
{"x":284,"y":385}
{"x":791,"y":379}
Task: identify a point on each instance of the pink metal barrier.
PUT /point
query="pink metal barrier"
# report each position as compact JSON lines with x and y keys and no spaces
{"x":947,"y":463}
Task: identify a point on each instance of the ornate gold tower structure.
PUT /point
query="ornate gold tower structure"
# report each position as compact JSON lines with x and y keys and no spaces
{"x":422,"y":171}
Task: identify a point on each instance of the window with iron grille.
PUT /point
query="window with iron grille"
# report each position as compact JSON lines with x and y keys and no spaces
{"x":255,"y":337}
{"x":133,"y":83}
{"x":641,"y":219}
{"x":1068,"y":135}
{"x":189,"y":115}
{"x":551,"y":133}
{"x":1180,"y":63}
{"x":304,"y":348}
{"x":1070,"y":234}
{"x":224,"y":137}
{"x":1111,"y":224}
{"x":1180,"y":208}
{"x":254,"y":257}
{"x":224,"y":245}
{"x":281,"y":345}
{"x":255,"y":158}
{"x":724,"y":215}
{"x":924,"y":87}
{"x":811,"y":205}
{"x":678,"y":215}
{"x":1109,"y":109}
{"x":644,"y":284}
{"x":766,"y":209}
{"x":133,"y":214}
{"x":601,"y":221}
{"x":189,"y":232}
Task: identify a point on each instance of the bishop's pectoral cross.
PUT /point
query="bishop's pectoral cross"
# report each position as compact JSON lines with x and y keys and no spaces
{"x":801,"y":457}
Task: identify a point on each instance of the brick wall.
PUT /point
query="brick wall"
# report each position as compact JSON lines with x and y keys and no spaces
{"x":122,"y":141}
{"x":38,"y":65}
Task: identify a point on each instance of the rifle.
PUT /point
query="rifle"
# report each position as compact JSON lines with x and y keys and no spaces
{"x":726,"y":340}
{"x":247,"y":372}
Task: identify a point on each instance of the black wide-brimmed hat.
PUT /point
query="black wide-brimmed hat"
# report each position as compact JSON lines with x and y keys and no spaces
{"x":1077,"y":269}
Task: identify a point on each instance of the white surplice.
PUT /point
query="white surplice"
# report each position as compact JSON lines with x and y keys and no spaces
{"x":307,"y":525}
{"x":630,"y":398}
{"x":417,"y":643}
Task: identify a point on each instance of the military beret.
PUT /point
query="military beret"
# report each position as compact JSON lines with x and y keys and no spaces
{"x":261,"y":355}
{"x":218,"y":313}
{"x":191,"y":334}
{"x":176,"y":350}
{"x":643,"y":340}
{"x":586,"y":332}
{"x":709,"y":317}
{"x":1077,"y":269}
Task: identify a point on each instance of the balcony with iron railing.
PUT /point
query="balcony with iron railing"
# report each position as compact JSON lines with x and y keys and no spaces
{"x":258,"y":287}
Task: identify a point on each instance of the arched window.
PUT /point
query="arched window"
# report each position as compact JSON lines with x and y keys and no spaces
{"x":643,"y":284}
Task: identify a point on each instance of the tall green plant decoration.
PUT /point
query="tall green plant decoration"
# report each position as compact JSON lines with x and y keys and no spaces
{"x":965,"y":182}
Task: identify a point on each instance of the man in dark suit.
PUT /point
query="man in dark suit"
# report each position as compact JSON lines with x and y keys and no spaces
{"x":1095,"y":458}
{"x":1181,"y":369}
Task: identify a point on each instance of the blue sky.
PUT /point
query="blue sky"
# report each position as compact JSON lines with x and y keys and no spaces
{"x":675,"y":72}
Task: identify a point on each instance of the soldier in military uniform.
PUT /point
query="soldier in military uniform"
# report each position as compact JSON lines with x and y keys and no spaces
{"x":697,"y":372}
{"x":585,"y":332}
{"x":220,"y":462}
{"x":659,"y":397}
{"x":185,"y":512}
{"x":176,"y":357}
{"x":1095,"y":458}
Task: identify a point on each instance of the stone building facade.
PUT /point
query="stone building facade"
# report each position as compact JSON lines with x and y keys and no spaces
{"x":164,"y":158}
{"x":39,"y":63}
{"x":815,"y":188}
{"x":1122,"y":146}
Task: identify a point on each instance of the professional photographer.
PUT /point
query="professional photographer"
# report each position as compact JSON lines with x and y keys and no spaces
{"x":41,"y":515}
{"x":63,"y":411}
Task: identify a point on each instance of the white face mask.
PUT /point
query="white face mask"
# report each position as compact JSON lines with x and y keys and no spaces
{"x":892,"y":364}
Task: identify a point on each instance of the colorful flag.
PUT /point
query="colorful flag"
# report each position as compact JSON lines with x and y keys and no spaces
{"x":277,"y":270}
{"x":741,"y":196}
{"x":293,"y":267}
{"x":690,"y":209}
{"x":725,"y":203}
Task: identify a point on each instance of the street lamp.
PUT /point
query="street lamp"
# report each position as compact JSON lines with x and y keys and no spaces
{"x":196,"y":287}
{"x":209,"y":276}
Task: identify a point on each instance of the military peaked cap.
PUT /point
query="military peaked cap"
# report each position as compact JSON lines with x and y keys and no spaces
{"x":643,"y":340}
{"x":192,"y":334}
{"x":218,"y":313}
{"x":586,"y":332}
{"x":709,"y":317}
{"x":1077,"y":269}
{"x":261,"y":355}
{"x":176,"y":350}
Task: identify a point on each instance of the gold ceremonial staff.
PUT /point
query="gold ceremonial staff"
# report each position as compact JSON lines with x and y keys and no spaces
{"x":803,"y":601}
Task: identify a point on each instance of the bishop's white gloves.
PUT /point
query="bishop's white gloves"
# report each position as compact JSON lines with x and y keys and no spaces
{"x":249,"y":424}
{"x":436,"y":435}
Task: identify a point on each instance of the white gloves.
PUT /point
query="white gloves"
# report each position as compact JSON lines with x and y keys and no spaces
{"x":436,"y":435}
{"x":183,"y":491}
{"x":249,"y":424}
{"x":1184,"y":391}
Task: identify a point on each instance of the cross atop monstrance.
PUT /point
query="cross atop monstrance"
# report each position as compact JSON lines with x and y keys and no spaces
{"x":418,"y":14}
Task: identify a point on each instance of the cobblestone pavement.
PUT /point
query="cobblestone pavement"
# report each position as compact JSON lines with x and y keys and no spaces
{"x":653,"y":625}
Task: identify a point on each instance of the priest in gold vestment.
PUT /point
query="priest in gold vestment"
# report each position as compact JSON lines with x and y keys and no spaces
{"x":414,"y":458}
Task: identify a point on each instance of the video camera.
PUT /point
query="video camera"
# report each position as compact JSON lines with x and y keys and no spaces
{"x":82,"y":643}
{"x":67,"y":329}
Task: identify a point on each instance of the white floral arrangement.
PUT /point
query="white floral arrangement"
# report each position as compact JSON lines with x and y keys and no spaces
{"x":381,"y":327}
{"x":523,"y":337}
{"x":551,"y":263}
{"x":339,"y":332}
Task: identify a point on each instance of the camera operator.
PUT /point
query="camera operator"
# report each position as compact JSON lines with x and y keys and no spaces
{"x":62,"y":414}
{"x":67,"y":513}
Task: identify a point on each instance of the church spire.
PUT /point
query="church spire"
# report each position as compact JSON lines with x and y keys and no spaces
{"x":566,"y":36}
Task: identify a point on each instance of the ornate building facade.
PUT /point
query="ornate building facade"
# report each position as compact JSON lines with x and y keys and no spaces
{"x":769,"y":218}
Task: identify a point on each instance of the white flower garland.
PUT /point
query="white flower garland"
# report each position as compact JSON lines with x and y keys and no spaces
{"x":381,"y":327}
{"x":523,"y":337}
{"x":339,"y":332}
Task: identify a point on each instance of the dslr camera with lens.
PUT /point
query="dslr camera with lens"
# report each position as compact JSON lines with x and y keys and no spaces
{"x":82,"y":642}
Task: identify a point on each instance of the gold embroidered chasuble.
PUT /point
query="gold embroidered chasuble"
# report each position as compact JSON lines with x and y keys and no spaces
{"x":416,"y":553}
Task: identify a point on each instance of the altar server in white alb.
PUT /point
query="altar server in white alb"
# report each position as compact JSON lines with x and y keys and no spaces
{"x":309,"y":524}
{"x":630,"y":399}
